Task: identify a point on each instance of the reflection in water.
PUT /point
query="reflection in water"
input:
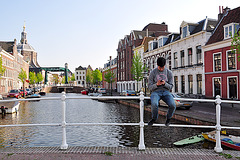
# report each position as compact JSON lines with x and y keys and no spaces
{"x":86,"y":111}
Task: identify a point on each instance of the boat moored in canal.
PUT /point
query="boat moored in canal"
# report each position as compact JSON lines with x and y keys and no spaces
{"x":227,"y":141}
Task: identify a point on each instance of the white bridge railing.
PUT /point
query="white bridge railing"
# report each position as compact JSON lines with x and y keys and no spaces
{"x":141,"y":145}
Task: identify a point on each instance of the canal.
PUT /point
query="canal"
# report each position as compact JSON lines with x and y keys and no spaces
{"x":88,"y":111}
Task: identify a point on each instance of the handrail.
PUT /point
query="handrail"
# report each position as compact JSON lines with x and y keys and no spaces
{"x":141,"y":145}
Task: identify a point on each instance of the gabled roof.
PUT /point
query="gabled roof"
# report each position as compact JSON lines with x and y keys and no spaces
{"x":232,"y":16}
{"x":7,"y":46}
{"x":156,"y":27}
{"x":80,"y":68}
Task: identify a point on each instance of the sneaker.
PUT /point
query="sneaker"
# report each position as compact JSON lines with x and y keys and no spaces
{"x":167,"y":123}
{"x":150,"y":123}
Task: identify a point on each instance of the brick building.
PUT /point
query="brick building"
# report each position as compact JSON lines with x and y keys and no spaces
{"x":125,"y":53}
{"x":221,"y":65}
{"x":12,"y":61}
{"x":112,"y":66}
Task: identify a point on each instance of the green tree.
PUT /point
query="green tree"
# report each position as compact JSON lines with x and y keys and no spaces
{"x":137,"y":68}
{"x":23,"y":76}
{"x":89,"y":77}
{"x":109,"y":76}
{"x":32,"y":78}
{"x":73,"y":77}
{"x":97,"y":76}
{"x":235,"y":44}
{"x":55,"y":79}
{"x":39,"y":77}
{"x":2,"y":69}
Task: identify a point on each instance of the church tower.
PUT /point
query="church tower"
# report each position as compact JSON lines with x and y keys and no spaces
{"x":28,"y":52}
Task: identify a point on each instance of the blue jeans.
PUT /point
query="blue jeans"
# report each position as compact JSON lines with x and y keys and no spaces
{"x":166,"y":96}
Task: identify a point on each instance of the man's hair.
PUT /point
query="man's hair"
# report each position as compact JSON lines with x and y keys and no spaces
{"x":161,"y":61}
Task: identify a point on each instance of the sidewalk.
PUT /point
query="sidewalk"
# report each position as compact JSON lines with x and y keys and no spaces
{"x":114,"y":153}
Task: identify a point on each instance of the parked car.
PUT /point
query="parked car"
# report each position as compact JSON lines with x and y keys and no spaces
{"x":128,"y":93}
{"x":14,"y":93}
{"x":102,"y":90}
{"x":21,"y":92}
{"x":179,"y":104}
{"x":29,"y":91}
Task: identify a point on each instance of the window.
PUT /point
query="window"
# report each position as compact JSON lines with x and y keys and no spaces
{"x":184,"y":32}
{"x":230,"y":30}
{"x":190,"y":56}
{"x":169,"y":61}
{"x":232,"y":87}
{"x":190,"y":84}
{"x":176,"y":83}
{"x":77,"y":77}
{"x":76,"y":72}
{"x":217,"y":86}
{"x":183,"y":84}
{"x":175,"y":60}
{"x":80,"y":77}
{"x":231,"y":60}
{"x":199,"y":54}
{"x":217,"y":62}
{"x":182,"y":58}
{"x":199,"y":84}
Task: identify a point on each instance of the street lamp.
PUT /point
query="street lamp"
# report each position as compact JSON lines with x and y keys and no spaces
{"x":110,"y":57}
{"x":145,"y":74}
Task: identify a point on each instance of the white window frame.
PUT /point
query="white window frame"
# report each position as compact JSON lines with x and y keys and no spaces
{"x":227,"y":61}
{"x":213,"y":61}
{"x":214,"y":88}
{"x":228,"y":84}
{"x":227,"y":27}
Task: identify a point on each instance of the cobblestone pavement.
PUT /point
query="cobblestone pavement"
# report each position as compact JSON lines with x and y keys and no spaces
{"x":114,"y":153}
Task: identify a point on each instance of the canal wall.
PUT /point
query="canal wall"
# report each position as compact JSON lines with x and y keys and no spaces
{"x":163,"y":111}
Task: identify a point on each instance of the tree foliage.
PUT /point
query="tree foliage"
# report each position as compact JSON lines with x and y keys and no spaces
{"x":39,"y":77}
{"x":97,"y":76}
{"x":137,"y":68}
{"x":2,"y":69}
{"x":235,"y":44}
{"x":109,"y":76}
{"x":23,"y":76}
{"x":32,"y":78}
{"x":89,"y":77}
{"x":55,"y":79}
{"x":73,"y":77}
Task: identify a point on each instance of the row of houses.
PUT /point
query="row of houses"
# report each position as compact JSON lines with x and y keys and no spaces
{"x":200,"y":56}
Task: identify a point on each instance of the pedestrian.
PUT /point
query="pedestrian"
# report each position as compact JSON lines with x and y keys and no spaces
{"x":160,"y":84}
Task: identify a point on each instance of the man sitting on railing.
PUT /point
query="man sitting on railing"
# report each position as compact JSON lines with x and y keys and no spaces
{"x":160,"y":83}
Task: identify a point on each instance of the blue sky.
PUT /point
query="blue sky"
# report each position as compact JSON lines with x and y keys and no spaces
{"x":85,"y":33}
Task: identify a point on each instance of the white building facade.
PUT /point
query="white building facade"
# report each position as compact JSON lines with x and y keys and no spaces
{"x":187,"y":57}
{"x":80,"y":76}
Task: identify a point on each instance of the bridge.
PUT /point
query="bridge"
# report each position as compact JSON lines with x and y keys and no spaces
{"x":52,"y":69}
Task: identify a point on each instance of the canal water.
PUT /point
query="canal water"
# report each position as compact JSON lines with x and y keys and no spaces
{"x":88,"y":111}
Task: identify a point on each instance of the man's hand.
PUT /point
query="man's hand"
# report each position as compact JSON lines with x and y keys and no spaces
{"x":160,"y":82}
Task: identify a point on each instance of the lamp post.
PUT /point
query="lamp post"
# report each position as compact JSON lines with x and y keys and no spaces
{"x":145,"y":80}
{"x":110,"y":57}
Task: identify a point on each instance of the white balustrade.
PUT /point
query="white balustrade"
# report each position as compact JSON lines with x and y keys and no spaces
{"x":141,"y":124}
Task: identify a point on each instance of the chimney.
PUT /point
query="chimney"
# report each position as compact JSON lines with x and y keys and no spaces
{"x":147,"y":33}
{"x":220,"y":15}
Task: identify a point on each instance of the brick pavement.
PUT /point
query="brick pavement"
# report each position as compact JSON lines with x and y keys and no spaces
{"x":126,"y":153}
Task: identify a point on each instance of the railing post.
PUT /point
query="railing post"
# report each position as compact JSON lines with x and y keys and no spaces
{"x":218,"y":147}
{"x":64,"y":137}
{"x":141,"y":145}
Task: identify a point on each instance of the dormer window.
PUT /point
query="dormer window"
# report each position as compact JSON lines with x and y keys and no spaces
{"x":230,"y":30}
{"x":152,"y":45}
{"x":162,"y":41}
{"x":184,"y":32}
